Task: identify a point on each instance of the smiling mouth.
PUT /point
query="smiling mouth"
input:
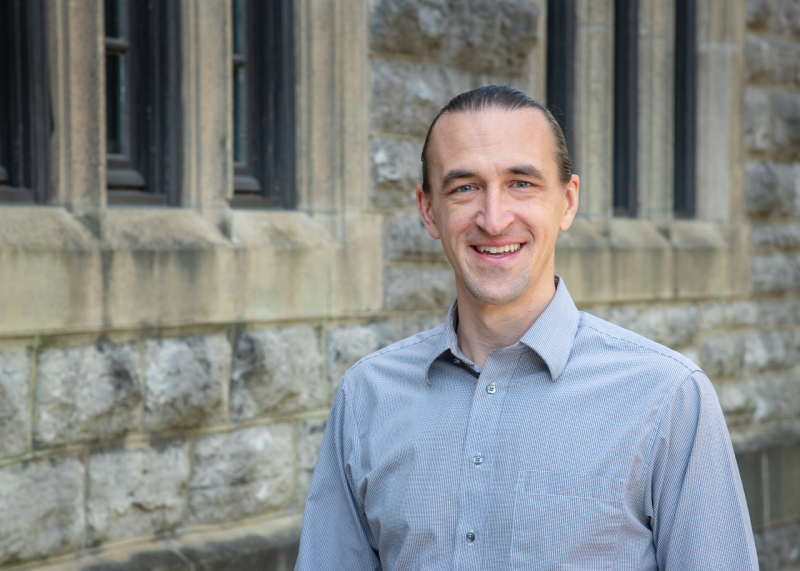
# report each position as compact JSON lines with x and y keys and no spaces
{"x":497,"y":251}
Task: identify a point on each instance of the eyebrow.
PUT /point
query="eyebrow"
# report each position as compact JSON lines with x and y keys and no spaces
{"x":456,"y":175}
{"x":526,"y":170}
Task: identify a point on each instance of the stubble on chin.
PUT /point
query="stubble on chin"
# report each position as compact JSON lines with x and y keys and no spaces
{"x":496,"y":288}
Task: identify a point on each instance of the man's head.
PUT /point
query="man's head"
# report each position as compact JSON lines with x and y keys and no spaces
{"x":503,"y":98}
{"x":497,"y":188}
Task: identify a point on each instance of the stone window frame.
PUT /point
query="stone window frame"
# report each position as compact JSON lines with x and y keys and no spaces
{"x":264,"y":176}
{"x":658,"y":256}
{"x":146,"y":168}
{"x":24,"y":145}
{"x":204,"y":262}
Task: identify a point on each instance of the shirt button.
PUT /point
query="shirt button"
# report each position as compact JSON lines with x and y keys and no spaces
{"x":491,"y":389}
{"x":456,"y":361}
{"x":470,"y":537}
{"x":477,"y":459}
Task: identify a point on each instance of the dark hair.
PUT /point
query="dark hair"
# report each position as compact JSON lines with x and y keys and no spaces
{"x":507,"y":99}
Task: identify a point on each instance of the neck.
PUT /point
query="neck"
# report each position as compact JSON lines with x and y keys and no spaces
{"x":483,"y":328}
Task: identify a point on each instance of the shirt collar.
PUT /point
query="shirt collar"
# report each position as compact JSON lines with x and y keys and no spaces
{"x":551,"y":336}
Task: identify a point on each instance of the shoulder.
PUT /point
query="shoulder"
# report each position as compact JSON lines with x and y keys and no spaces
{"x":608,"y":342}
{"x":407,"y":358}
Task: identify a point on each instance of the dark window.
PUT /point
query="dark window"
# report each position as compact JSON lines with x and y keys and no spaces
{"x":625,"y":106}
{"x":143,"y":118}
{"x":685,"y":108}
{"x":24,"y":103}
{"x":263,"y":104}
{"x":561,"y":64}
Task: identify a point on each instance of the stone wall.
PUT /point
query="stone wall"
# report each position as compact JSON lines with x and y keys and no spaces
{"x":164,"y":405}
{"x":761,"y":362}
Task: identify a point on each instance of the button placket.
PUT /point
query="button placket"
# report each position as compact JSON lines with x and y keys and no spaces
{"x":481,"y":440}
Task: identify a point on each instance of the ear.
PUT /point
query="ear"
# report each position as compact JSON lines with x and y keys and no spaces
{"x":425,"y":208}
{"x":572,"y":189}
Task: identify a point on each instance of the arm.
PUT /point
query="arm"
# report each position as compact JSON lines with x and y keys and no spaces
{"x":335,"y":534}
{"x":697,"y":507}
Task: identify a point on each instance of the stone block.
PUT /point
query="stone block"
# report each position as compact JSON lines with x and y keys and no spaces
{"x":766,"y":194}
{"x":722,"y":356}
{"x":787,"y":17}
{"x":346,"y":345}
{"x":309,"y":441}
{"x":776,"y":313}
{"x":42,"y":509}
{"x":771,"y":60}
{"x":15,"y":373}
{"x":242,"y":473}
{"x":735,"y":314}
{"x":743,"y":313}
{"x":773,"y":397}
{"x":786,"y":122}
{"x":758,"y":11}
{"x":749,"y":465}
{"x":682,"y":324}
{"x":768,"y":351}
{"x":778,"y":548}
{"x":276,"y":371}
{"x":407,"y":95}
{"x":647,"y":322}
{"x":186,"y":382}
{"x":787,"y":236}
{"x":784,"y":482}
{"x":771,"y":274}
{"x":485,"y":36}
{"x":757,"y":120}
{"x":396,"y":172}
{"x":763,"y":236}
{"x":407,"y":240}
{"x":87,"y":393}
{"x":416,"y":289}
{"x":135,"y":492}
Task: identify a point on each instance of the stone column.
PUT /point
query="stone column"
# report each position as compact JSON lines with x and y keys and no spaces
{"x":656,"y":129}
{"x":594,"y":105}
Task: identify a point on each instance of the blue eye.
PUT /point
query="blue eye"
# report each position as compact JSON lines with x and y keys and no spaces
{"x":465,"y":188}
{"x":522,"y":184}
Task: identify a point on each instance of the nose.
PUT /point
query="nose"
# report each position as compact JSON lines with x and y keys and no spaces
{"x":495,"y":215}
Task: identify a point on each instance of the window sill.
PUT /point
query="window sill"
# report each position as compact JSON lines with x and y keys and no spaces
{"x":170,"y":267}
{"x":628,"y":260}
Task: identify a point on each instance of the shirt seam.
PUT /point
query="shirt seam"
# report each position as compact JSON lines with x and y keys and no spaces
{"x":650,"y":349}
{"x":651,"y":445}
{"x":387,"y":350}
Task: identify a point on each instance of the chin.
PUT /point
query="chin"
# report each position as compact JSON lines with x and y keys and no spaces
{"x":501,"y":295}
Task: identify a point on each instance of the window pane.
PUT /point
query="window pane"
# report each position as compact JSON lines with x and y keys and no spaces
{"x":239,"y":110}
{"x":560,"y":63}
{"x":238,"y":26}
{"x":112,"y":17}
{"x":685,"y":108}
{"x":625,"y":106}
{"x":114,"y":103}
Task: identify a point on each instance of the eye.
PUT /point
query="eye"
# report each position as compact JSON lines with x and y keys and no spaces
{"x":465,"y":188}
{"x":521,"y":184}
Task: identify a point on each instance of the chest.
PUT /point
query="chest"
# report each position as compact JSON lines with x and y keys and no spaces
{"x":501,"y":473}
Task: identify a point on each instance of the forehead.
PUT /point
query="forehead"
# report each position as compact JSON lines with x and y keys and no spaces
{"x":490,"y":137}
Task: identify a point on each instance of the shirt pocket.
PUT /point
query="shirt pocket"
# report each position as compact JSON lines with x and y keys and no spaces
{"x":565,"y":520}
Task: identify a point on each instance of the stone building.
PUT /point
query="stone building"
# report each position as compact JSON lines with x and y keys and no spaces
{"x":207,"y":216}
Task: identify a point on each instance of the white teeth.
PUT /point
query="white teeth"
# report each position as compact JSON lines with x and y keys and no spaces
{"x":498,"y":249}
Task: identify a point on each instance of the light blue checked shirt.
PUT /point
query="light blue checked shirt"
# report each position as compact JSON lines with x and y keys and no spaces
{"x":582,"y":446}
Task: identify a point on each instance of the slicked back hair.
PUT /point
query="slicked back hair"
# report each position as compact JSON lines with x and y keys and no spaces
{"x":503,"y":98}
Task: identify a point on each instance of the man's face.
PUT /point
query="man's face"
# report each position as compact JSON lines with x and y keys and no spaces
{"x":496,"y":201}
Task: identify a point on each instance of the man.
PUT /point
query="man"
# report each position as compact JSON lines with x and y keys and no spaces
{"x":522,"y":433}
